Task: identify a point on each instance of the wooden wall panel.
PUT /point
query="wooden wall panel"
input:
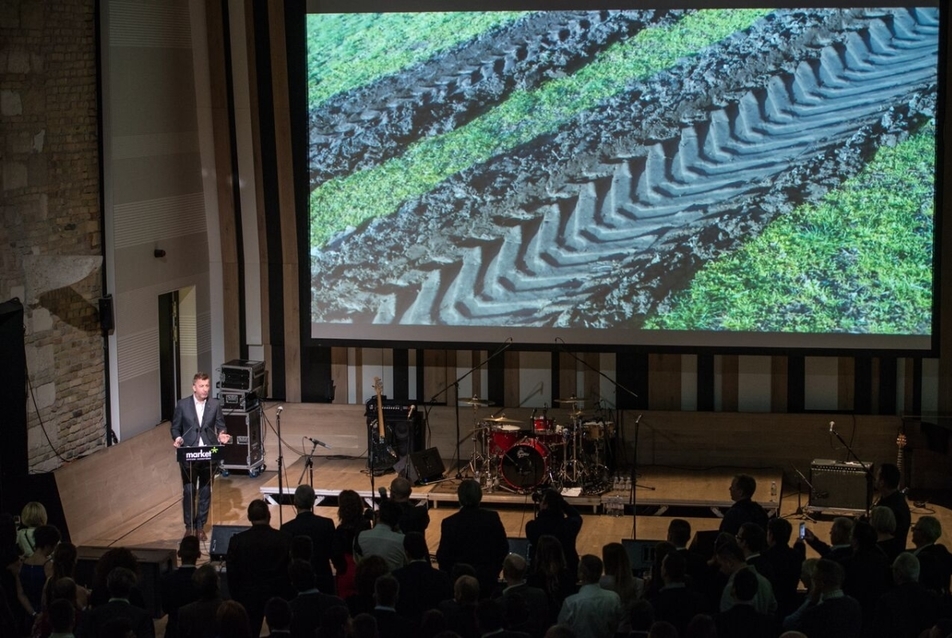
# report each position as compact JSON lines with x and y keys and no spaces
{"x":567,"y":376}
{"x":846,"y":383}
{"x":778,"y":384}
{"x":730,"y":389}
{"x":664,"y":388}
{"x":339,"y":376}
{"x":511,"y":377}
{"x":591,"y":380}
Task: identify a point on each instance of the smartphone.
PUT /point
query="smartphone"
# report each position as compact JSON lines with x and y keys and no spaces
{"x":803,"y":530}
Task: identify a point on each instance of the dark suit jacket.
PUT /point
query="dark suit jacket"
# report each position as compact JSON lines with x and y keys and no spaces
{"x":564,"y":524}
{"x":413,"y":518}
{"x":834,"y":618}
{"x":678,"y":605}
{"x":786,"y":562}
{"x":905,"y":611}
{"x":257,"y":563}
{"x":177,"y":590}
{"x":95,"y":618}
{"x":185,"y":421}
{"x":743,"y":621}
{"x":422,"y":587}
{"x":743,"y":511}
{"x":900,"y":509}
{"x":935,"y":567}
{"x":197,"y":620}
{"x":392,"y":625}
{"x":320,"y":530}
{"x":306,"y":612}
{"x":535,"y":620}
{"x":474,"y":536}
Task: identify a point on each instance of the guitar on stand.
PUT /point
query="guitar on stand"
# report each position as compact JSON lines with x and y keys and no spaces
{"x":382,"y":456}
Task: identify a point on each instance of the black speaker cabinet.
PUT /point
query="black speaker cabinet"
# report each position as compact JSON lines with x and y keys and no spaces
{"x":221,"y":536}
{"x":152,"y":564}
{"x":246,"y":451}
{"x":839,"y":485}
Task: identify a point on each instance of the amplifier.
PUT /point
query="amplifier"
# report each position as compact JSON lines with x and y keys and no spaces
{"x":238,"y":400}
{"x":839,"y":485}
{"x":242,"y":374}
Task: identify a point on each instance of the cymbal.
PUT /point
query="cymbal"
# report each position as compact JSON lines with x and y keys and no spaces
{"x":576,"y":415}
{"x":571,"y":399}
{"x":504,"y":420}
{"x":476,"y":401}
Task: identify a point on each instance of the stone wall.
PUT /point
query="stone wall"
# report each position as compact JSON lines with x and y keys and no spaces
{"x":50,"y":237}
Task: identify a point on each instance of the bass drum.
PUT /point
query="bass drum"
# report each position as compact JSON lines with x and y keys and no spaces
{"x":525,"y":464}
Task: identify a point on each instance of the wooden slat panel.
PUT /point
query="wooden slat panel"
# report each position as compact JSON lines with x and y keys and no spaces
{"x":845,"y":383}
{"x":435,"y":377}
{"x":730,"y":383}
{"x":778,"y":384}
{"x":567,"y":376}
{"x":591,"y":379}
{"x":512,"y":377}
{"x":664,"y":389}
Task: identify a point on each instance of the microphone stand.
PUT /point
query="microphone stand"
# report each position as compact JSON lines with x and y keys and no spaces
{"x":280,"y":472}
{"x":634,"y":466}
{"x":309,"y":465}
{"x":801,"y":513}
{"x":866,"y":468}
{"x":459,"y":462}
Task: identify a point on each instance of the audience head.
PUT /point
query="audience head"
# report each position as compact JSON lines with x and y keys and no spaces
{"x":33,"y":514}
{"x":489,"y":617}
{"x":302,"y":575}
{"x":232,"y":620}
{"x":62,"y":615}
{"x":559,"y":631}
{"x":883,"y":520}
{"x":926,"y":530}
{"x":335,"y":622}
{"x":662,"y":629}
{"x":549,"y":557}
{"x":779,"y":531}
{"x":807,"y":569}
{"x":462,"y":569}
{"x":414,"y":544}
{"x":679,"y":532}
{"x":701,"y":626}
{"x":277,"y":612}
{"x":365,"y":626}
{"x":368,"y":570}
{"x":432,"y":623}
{"x":617,"y":564}
{"x":304,"y":498}
{"x":751,"y":538}
{"x":863,"y":535}
{"x":64,"y":559}
{"x":389,"y":513}
{"x":258,"y":512}
{"x":120,"y":582}
{"x":589,"y":569}
{"x":386,"y":591}
{"x":469,"y":493}
{"x":551,"y":500}
{"x":828,"y":575}
{"x":793,"y":634}
{"x":400,"y":489}
{"x":641,"y":615}
{"x":466,"y":590}
{"x":730,"y":557}
{"x":207,"y":582}
{"x":889,"y":477}
{"x":350,"y":508}
{"x":63,"y":589}
{"x":905,"y":569}
{"x":514,"y":568}
{"x":743,"y":486}
{"x":189,"y":550}
{"x":745,"y":586}
{"x":841,"y":530}
{"x":45,"y":538}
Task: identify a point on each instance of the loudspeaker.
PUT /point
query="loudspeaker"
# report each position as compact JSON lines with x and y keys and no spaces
{"x":839,"y":486}
{"x":426,"y":466}
{"x":641,"y":554}
{"x":107,"y":320}
{"x":221,"y":536}
{"x":153,"y":563}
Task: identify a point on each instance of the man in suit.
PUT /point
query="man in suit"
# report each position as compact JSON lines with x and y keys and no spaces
{"x":412,"y":518}
{"x":389,"y":623}
{"x":840,"y":549}
{"x":422,"y":586}
{"x":473,"y":536}
{"x":827,"y":612}
{"x":518,"y":596}
{"x":935,"y":561}
{"x":909,"y":608}
{"x":887,"y":484}
{"x":675,"y":602}
{"x":177,"y":587}
{"x":744,"y":509}
{"x":197,"y":619}
{"x":119,"y":583}
{"x":197,"y":421}
{"x":786,"y":563}
{"x":310,"y":603}
{"x":320,"y":530}
{"x":257,"y":561}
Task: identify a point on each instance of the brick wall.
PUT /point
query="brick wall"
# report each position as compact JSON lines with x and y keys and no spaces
{"x":50,"y":237}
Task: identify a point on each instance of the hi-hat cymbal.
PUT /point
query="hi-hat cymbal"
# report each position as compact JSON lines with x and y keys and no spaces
{"x":504,"y":420}
{"x":476,"y":401}
{"x":571,"y":399}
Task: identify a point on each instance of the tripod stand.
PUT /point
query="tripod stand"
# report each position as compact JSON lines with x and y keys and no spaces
{"x":801,"y":514}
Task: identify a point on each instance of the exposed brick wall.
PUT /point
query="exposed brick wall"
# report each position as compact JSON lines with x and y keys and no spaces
{"x":51,"y":218}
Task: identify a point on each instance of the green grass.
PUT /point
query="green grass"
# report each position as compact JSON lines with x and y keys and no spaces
{"x":859,"y":261}
{"x":353,"y":199}
{"x":345,"y":51}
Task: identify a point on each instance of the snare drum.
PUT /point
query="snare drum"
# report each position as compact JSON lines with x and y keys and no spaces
{"x":524,"y":465}
{"x":503,"y":437}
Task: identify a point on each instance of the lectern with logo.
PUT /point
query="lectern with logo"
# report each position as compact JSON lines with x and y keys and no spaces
{"x":195,"y":456}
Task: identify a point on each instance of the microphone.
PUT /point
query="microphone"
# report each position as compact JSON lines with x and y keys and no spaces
{"x":532,"y":416}
{"x":638,"y":420}
{"x":316,"y":442}
{"x":280,"y":408}
{"x":831,"y":428}
{"x":412,"y":410}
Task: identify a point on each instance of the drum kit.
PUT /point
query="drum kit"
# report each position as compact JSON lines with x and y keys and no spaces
{"x":522,"y":456}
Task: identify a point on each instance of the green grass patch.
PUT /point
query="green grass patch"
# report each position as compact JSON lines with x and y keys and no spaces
{"x":859,"y":261}
{"x":353,"y":199}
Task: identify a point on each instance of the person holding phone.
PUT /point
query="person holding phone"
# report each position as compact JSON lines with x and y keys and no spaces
{"x":786,"y":562}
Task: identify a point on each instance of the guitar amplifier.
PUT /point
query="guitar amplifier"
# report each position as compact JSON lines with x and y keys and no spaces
{"x":403,"y":419}
{"x":242,"y":374}
{"x":839,"y":486}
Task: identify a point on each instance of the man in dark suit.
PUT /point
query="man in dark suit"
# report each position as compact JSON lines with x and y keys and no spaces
{"x":197,"y":619}
{"x":119,"y":583}
{"x":389,"y":623}
{"x":257,"y":561}
{"x":909,"y":608}
{"x":744,"y":509}
{"x":742,"y":620}
{"x":197,"y":421}
{"x":828,"y":612}
{"x":413,"y":518}
{"x":177,"y":587}
{"x":522,"y":608}
{"x":310,"y":603}
{"x":935,"y":561}
{"x":786,"y":563}
{"x":473,"y":536}
{"x":556,"y":518}
{"x":422,"y":586}
{"x":675,"y":602}
{"x":887,"y":484}
{"x":840,"y":548}
{"x":320,"y":530}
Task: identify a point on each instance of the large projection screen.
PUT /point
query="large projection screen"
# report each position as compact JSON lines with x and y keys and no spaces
{"x":737,"y":177}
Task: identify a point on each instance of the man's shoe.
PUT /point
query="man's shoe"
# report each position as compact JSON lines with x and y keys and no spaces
{"x":189,"y":531}
{"x":201,"y":534}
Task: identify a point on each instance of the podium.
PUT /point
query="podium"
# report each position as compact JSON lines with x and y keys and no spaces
{"x":198,"y":454}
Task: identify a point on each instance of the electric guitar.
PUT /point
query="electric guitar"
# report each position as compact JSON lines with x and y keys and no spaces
{"x":382,"y":456}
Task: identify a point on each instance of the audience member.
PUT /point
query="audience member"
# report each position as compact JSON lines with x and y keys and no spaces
{"x":197,"y":619}
{"x":351,"y":521}
{"x":549,"y":574}
{"x":909,"y":609}
{"x":433,"y":622}
{"x":233,"y":622}
{"x":827,"y":612}
{"x":310,"y":603}
{"x":389,"y":623}
{"x":335,"y":623}
{"x":752,"y":540}
{"x":679,"y":535}
{"x":701,"y":626}
{"x":365,"y":626}
{"x":120,"y":583}
{"x":655,"y":581}
{"x":867,"y":572}
{"x":675,"y":602}
{"x":320,"y":530}
{"x":489,"y":618}
{"x":785,"y":563}
{"x":474,"y":536}
{"x":32,"y":515}
{"x":33,"y":571}
{"x":413,"y":518}
{"x":518,"y":595}
{"x":277,"y":613}
{"x":63,"y":561}
{"x":593,"y":612}
{"x":840,"y":548}
{"x":177,"y":587}
{"x":730,"y":560}
{"x":112,"y":558}
{"x":935,"y":561}
{"x":742,"y":620}
{"x":366,"y":574}
{"x":556,"y":518}
{"x":422,"y":586}
{"x":887,"y":484}
{"x":62,"y":589}
{"x":384,"y":539}
{"x":257,"y":562}
{"x":460,"y":612}
{"x":662,"y":629}
{"x":744,"y":509}
{"x":62,"y":618}
{"x":618,"y":578}
{"x":884,"y":522}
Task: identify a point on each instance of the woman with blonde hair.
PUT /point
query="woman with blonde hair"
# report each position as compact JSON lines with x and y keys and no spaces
{"x":32,"y":515}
